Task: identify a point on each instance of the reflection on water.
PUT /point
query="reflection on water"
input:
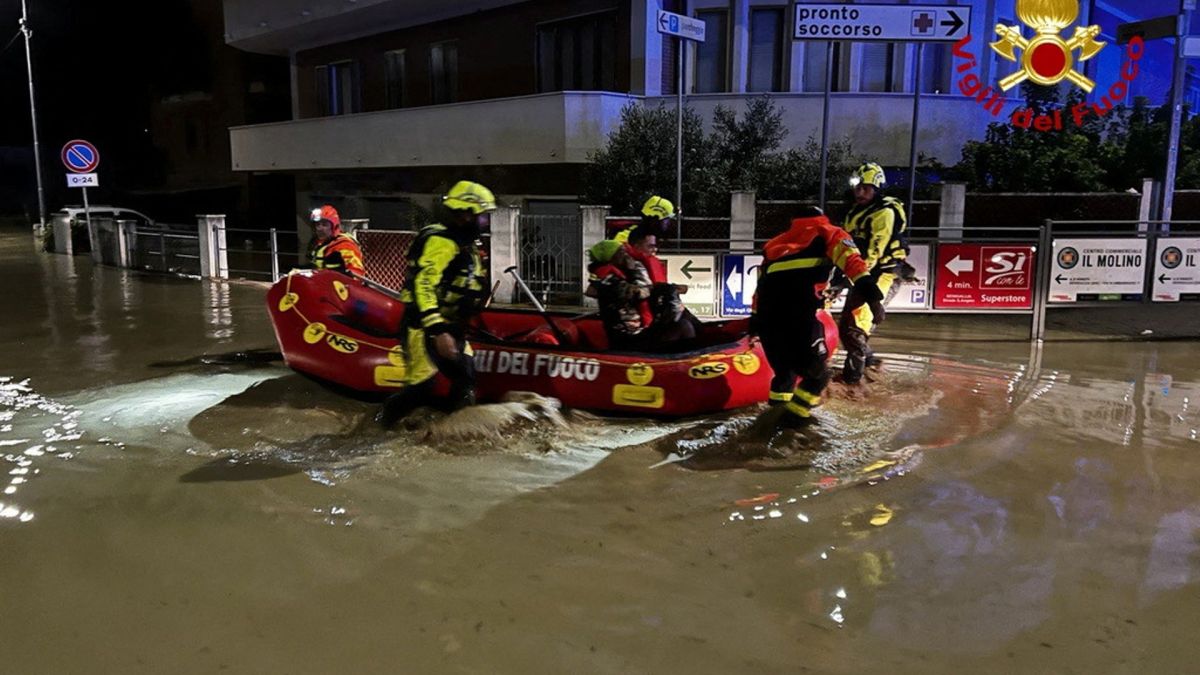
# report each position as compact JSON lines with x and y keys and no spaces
{"x":979,"y":508}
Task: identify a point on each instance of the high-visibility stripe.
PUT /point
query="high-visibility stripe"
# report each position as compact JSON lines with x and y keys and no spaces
{"x":432,"y":319}
{"x":798,"y":409}
{"x":811,"y":399}
{"x":797,"y":264}
{"x":781,"y":396}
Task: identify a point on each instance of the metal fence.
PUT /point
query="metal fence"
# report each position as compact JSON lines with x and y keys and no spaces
{"x":551,"y":257}
{"x":169,"y":248}
{"x":385,"y":254}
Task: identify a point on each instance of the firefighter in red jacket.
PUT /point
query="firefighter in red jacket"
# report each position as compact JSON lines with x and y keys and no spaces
{"x":795,"y":271}
{"x":332,"y":249}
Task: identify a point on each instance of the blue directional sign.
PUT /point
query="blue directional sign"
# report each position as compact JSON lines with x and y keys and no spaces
{"x":739,"y":277}
{"x":80,"y":156}
{"x":670,"y":23}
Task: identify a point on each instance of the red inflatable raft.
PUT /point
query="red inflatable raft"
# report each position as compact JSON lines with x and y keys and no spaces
{"x":335,"y":328}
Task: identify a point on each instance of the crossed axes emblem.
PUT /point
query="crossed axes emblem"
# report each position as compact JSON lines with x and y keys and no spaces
{"x":1046,"y":59}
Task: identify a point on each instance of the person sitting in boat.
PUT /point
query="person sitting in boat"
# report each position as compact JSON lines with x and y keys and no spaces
{"x":792,"y":278}
{"x":332,"y":249}
{"x":445,"y":286}
{"x":665,"y":302}
{"x":657,"y":216}
{"x":622,"y":286}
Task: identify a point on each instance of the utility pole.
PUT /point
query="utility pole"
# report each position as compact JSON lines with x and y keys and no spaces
{"x":37,"y":151}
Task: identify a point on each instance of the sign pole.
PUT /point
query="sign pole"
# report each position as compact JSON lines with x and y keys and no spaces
{"x":87,"y":212}
{"x":1177,"y":81}
{"x":37,"y":153}
{"x":679,"y":147}
{"x":912,"y":148}
{"x":825,"y":120}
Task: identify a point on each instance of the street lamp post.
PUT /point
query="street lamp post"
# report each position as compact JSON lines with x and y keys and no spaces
{"x":37,"y":152}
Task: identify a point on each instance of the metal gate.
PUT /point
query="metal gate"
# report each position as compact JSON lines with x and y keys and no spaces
{"x":552,"y":258}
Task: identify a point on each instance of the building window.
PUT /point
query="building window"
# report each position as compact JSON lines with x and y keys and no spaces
{"x":878,"y":67}
{"x":935,"y":69}
{"x":766,"y":49}
{"x":814,"y":66}
{"x":337,"y":88}
{"x":712,"y":55}
{"x":394,"y":71}
{"x":578,"y":54}
{"x":443,"y":71}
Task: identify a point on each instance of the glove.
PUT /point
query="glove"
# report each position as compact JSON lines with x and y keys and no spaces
{"x":867,"y":289}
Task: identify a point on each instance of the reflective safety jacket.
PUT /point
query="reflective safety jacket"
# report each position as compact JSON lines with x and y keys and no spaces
{"x":446,"y":282}
{"x":880,"y":231}
{"x":340,"y":252}
{"x":623,"y":297}
{"x":796,"y":267}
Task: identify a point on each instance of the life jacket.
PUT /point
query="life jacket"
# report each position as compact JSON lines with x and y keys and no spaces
{"x":858,"y":223}
{"x":340,"y":252}
{"x":624,"y":303}
{"x":796,"y":267}
{"x":446,"y":280}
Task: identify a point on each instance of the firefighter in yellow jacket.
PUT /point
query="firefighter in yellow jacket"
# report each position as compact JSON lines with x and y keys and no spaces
{"x":445,"y":285}
{"x":879,"y":228}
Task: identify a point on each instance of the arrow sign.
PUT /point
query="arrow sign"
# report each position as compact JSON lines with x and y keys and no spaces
{"x":954,"y":23}
{"x":670,"y":23}
{"x":733,"y":282}
{"x":1162,"y":278}
{"x":958,"y":265}
{"x":1060,"y":278}
{"x":687,"y":269}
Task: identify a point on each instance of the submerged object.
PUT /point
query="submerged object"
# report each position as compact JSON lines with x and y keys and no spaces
{"x":337,"y":329}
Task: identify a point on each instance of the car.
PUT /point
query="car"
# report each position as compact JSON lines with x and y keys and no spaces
{"x":77,"y":218}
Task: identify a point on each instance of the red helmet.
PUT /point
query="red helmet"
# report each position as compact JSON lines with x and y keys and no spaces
{"x":326,"y":212}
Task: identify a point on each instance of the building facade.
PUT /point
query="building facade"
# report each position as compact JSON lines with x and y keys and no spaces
{"x":393,"y":100}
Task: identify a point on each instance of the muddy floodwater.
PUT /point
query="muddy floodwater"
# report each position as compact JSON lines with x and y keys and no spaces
{"x":174,"y":500}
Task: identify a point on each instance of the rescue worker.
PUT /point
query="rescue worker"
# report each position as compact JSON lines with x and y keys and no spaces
{"x":793,"y":275}
{"x":657,"y":215}
{"x":332,"y":249}
{"x":879,"y":228}
{"x":446,"y":284}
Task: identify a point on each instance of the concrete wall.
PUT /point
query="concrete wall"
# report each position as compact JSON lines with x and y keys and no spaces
{"x":565,"y":127}
{"x":546,"y":128}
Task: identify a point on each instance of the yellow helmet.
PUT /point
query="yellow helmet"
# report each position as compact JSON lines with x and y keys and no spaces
{"x":468,"y":196}
{"x":868,"y":174}
{"x":658,"y":207}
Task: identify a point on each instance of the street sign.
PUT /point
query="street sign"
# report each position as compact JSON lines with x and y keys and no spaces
{"x":891,"y":23}
{"x":983,"y":276}
{"x":739,"y":276}
{"x":1150,"y":29}
{"x":80,"y":156}
{"x":1097,"y":269}
{"x":697,"y":273}
{"x":670,"y":23}
{"x":83,"y":180}
{"x":1177,"y":270}
{"x":911,"y":294}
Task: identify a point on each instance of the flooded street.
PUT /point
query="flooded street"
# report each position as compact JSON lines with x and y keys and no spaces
{"x":175,"y":501}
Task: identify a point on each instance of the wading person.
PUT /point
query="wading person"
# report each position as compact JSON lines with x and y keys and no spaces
{"x":445,"y":286}
{"x":792,"y":279}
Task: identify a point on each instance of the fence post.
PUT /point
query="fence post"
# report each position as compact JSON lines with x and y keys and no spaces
{"x":506,"y":249}
{"x":62,"y":235}
{"x":214,"y":258}
{"x":125,"y":237}
{"x":952,"y":211}
{"x":1148,"y":208}
{"x":592,"y":219}
{"x":274,"y":256}
{"x":1041,"y":286}
{"x":741,"y":220}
